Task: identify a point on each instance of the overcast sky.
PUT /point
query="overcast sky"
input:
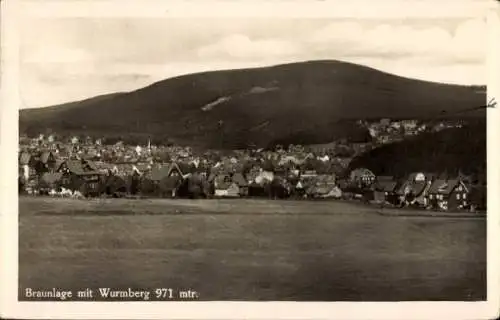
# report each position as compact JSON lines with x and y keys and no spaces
{"x":72,"y":58}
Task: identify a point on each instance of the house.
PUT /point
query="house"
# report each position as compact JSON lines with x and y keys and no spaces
{"x":414,"y":190}
{"x":26,"y":166}
{"x":409,"y":124}
{"x":80,"y":174}
{"x":225,"y":187}
{"x":362,"y":177}
{"x":448,"y":194}
{"x":33,"y":164}
{"x":323,"y":186}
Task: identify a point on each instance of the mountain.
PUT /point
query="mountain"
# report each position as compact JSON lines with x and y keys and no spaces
{"x":449,"y":151}
{"x":306,"y":102}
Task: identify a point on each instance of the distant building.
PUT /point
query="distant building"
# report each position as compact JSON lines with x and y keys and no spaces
{"x":396,"y":125}
{"x":385,"y":122}
{"x":407,"y":124}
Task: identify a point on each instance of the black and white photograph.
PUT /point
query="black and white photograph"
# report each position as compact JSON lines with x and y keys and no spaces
{"x":191,"y":155}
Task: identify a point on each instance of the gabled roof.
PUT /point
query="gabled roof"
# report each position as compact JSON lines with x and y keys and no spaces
{"x":183,"y":168}
{"x":51,"y":178}
{"x":444,"y":187}
{"x":103,"y":166}
{"x":361,"y":172}
{"x":386,"y":185}
{"x":124,"y":169}
{"x":74,"y":166}
{"x":159,"y":172}
{"x":89,"y":166}
{"x":80,"y":167}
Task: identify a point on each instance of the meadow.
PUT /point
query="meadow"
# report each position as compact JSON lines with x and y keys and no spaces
{"x":250,"y":249}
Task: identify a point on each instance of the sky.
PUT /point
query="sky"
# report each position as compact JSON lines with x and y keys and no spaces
{"x":72,"y":57}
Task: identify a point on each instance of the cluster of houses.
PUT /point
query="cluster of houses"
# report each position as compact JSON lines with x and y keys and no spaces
{"x":43,"y":172}
{"x":387,"y":131}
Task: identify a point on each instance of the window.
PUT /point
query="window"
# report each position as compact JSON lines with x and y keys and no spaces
{"x":464,"y":196}
{"x":458,"y":196}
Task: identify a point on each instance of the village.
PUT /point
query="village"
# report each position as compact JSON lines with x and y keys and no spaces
{"x":86,"y":168}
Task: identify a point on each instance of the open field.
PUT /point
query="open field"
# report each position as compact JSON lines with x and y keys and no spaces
{"x":250,"y":249}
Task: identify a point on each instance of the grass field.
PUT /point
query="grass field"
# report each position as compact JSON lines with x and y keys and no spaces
{"x":250,"y":249}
